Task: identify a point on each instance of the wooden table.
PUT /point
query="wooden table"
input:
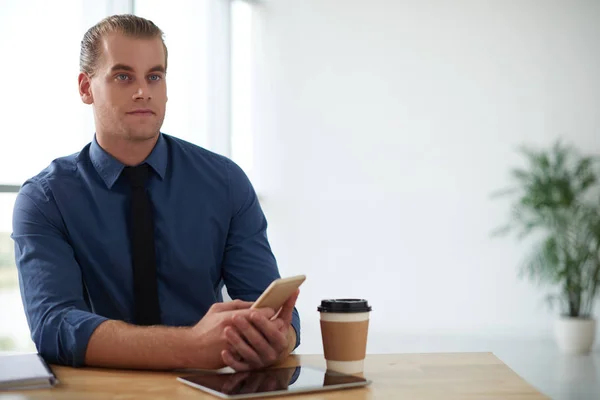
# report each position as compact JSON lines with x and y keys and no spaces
{"x":479,"y":376}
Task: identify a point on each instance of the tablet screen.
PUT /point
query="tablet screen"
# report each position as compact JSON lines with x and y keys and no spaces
{"x":271,"y":382}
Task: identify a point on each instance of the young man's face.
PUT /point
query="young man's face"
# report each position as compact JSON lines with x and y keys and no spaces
{"x":128,"y":90}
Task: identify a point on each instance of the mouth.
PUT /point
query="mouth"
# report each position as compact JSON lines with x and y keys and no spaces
{"x":141,"y":112}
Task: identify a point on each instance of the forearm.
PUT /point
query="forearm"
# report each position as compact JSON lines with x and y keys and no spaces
{"x":117,"y":344}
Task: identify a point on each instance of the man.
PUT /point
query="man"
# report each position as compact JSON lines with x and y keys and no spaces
{"x":123,"y":248}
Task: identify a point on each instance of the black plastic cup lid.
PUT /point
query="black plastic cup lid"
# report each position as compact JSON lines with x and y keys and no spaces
{"x":344,"y":306}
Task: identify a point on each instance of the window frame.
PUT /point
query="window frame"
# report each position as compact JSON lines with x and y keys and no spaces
{"x":9,"y":188}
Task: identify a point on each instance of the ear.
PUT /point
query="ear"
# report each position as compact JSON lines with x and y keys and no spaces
{"x":85,"y":88}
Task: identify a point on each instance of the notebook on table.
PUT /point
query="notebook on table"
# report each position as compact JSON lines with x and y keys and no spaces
{"x":25,"y":371}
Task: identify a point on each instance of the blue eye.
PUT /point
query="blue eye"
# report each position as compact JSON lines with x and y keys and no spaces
{"x":155,"y":77}
{"x":122,"y":77}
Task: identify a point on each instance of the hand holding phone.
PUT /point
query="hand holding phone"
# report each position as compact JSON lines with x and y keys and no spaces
{"x":248,"y":340}
{"x":278,"y":292}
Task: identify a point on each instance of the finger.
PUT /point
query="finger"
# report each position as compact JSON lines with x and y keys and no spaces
{"x":245,"y":313}
{"x":228,"y":359}
{"x":288,"y":307}
{"x":257,"y":339}
{"x":271,"y":332}
{"x":246,"y":352}
{"x":233,"y":305}
{"x":268,"y":312}
{"x":280,"y":325}
{"x":233,"y":352}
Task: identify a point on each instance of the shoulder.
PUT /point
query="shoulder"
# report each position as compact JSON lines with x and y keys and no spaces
{"x":180,"y":147}
{"x":220,"y":173}
{"x":37,"y":191}
{"x":205,"y":160}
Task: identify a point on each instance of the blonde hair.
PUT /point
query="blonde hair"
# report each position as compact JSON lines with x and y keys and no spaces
{"x":126,"y":24}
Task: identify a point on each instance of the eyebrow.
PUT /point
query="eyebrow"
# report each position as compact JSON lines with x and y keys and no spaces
{"x":123,"y":67}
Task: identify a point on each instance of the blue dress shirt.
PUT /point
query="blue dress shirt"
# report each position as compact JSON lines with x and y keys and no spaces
{"x":72,"y":248}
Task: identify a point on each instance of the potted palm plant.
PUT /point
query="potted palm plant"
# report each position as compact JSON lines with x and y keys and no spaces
{"x":556,"y":208}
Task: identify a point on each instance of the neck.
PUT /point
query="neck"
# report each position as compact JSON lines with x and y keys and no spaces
{"x":127,"y":151}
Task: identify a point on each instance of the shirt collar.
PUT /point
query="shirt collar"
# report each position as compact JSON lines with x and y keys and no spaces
{"x":109,"y":168}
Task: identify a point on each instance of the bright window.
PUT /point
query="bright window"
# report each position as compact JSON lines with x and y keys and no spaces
{"x":185,"y":26}
{"x":14,"y":332}
{"x":43,"y":117}
{"x":241,"y":84}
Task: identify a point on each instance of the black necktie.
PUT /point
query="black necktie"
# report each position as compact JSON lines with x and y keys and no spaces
{"x":145,"y":286}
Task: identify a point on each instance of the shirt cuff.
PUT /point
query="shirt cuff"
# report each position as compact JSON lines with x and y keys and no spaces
{"x":296,"y":326}
{"x":75,"y":333}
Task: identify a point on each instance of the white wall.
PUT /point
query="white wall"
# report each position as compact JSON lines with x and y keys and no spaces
{"x":381,"y":127}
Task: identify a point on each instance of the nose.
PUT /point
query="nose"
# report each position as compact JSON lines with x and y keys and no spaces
{"x":142,"y":93}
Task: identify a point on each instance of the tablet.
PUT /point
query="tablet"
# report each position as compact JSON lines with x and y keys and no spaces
{"x":271,"y":382}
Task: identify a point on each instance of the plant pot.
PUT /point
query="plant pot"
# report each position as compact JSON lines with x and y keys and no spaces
{"x":575,"y":335}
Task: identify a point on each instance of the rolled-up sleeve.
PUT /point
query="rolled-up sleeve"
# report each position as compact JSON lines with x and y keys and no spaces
{"x":50,"y":279}
{"x":249,"y":265}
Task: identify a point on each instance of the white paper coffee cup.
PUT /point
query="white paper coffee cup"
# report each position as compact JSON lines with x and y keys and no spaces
{"x":344,"y":331}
